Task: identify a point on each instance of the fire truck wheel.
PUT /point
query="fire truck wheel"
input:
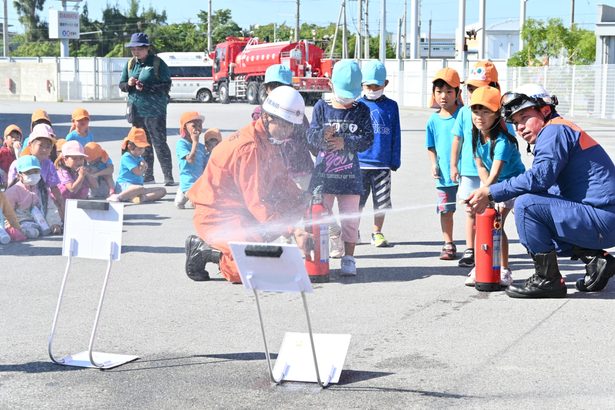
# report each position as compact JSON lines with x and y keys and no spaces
{"x":252,"y":93}
{"x":262,"y":93}
{"x":223,"y":93}
{"x":204,"y":96}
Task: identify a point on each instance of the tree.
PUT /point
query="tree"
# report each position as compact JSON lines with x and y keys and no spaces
{"x":222,"y":24}
{"x":545,"y":41}
{"x":27,"y":10}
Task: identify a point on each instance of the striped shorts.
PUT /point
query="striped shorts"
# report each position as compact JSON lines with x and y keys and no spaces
{"x":378,"y":183}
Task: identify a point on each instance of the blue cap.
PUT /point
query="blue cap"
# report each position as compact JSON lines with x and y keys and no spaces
{"x":278,"y":73}
{"x":374,"y":72}
{"x":26,"y":163}
{"x":138,"y":40}
{"x":346,"y":79}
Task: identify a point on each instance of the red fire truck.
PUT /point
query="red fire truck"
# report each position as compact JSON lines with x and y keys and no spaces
{"x":240,"y":64}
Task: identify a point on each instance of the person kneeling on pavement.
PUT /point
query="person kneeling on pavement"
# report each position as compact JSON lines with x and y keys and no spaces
{"x":566,"y":200}
{"x":246,"y":192}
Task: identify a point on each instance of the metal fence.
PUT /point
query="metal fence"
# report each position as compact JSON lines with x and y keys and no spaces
{"x":583,"y":91}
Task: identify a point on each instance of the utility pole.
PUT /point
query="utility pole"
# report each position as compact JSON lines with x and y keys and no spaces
{"x":297,"y":21}
{"x":357,"y":49}
{"x":366,"y":44}
{"x":383,"y":40}
{"x":571,"y":14}
{"x":337,"y":26}
{"x":429,"y":41}
{"x":209,"y":28}
{"x":461,"y":39}
{"x":482,"y":32}
{"x":405,"y":29}
{"x":522,"y":9}
{"x":344,"y":32}
{"x":5,"y":30}
{"x":414,"y":32}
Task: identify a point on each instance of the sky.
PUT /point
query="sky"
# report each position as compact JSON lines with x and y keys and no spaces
{"x":323,"y":12}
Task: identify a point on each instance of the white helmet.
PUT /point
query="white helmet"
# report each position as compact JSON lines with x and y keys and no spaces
{"x":286,"y":103}
{"x":525,"y":96}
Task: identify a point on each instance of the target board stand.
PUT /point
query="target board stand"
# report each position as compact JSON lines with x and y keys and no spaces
{"x":92,"y":230}
{"x":304,"y":357}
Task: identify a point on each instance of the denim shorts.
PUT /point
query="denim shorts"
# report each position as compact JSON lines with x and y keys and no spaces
{"x":446,"y":201}
{"x":467,"y":185}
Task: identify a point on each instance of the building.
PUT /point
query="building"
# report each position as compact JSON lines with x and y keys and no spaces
{"x":605,"y":35}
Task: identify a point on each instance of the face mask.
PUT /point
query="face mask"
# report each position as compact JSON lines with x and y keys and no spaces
{"x":31,"y":179}
{"x":343,"y":101}
{"x":373,"y":95}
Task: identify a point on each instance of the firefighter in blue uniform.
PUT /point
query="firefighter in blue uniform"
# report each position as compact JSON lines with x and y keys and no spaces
{"x":565,"y":202}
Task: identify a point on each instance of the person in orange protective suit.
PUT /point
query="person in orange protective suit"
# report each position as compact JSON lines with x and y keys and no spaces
{"x":246,"y":192}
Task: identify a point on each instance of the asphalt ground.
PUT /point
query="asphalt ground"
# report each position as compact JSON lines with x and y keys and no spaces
{"x":420,"y":338}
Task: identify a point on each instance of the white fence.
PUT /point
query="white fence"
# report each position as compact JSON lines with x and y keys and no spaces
{"x":586,"y":91}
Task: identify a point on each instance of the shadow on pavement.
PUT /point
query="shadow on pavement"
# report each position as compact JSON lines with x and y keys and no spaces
{"x":36,"y":367}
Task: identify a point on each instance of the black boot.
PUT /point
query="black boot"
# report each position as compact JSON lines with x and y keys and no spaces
{"x":599,"y":267}
{"x":198,"y":253}
{"x":547,"y":282}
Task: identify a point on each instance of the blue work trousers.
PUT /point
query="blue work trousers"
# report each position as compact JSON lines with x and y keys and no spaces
{"x":548,"y":222}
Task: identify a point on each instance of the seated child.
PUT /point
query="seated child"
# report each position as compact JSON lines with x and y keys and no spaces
{"x":74,"y":175}
{"x":80,"y":127}
{"x":191,"y":155}
{"x":9,"y":150}
{"x":129,"y":184}
{"x":10,"y":229}
{"x":100,"y":169}
{"x":29,"y":197}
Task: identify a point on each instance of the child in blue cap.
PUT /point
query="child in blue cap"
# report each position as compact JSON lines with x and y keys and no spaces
{"x":340,"y":129}
{"x":384,"y":154}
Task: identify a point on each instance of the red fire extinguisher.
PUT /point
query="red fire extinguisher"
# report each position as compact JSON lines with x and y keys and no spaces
{"x":488,"y":237}
{"x":317,"y":261}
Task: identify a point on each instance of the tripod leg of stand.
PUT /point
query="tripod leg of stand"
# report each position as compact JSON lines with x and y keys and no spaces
{"x":260,"y":318}
{"x":100,"y":302}
{"x":55,"y":316}
{"x":309,"y":323}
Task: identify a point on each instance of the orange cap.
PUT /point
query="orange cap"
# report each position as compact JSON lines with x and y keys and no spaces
{"x":12,"y":128}
{"x":449,"y":76}
{"x":80,"y":113}
{"x":186,"y":118}
{"x":136,"y":136}
{"x":486,"y":96}
{"x":38,"y":115}
{"x":213,"y":133}
{"x":483,"y":73}
{"x":94,"y":152}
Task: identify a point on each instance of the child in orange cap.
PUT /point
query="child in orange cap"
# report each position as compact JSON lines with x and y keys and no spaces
{"x":463,"y":166}
{"x":191,"y":154}
{"x":445,"y":93}
{"x":129,"y":184}
{"x":80,"y":127}
{"x":9,"y":150}
{"x":101,"y":170}
{"x":39,"y":116}
{"x":497,"y":157}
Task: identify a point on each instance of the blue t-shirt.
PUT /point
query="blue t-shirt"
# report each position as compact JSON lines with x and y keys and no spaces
{"x":338,"y":171}
{"x":440,"y":137}
{"x":463,"y":130}
{"x":504,"y":151}
{"x":190,"y":172}
{"x":127,"y":164}
{"x":74,"y":135}
{"x":99,"y":165}
{"x":385,"y":152}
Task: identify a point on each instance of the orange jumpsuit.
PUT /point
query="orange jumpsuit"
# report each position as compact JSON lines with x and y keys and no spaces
{"x":244,"y":194}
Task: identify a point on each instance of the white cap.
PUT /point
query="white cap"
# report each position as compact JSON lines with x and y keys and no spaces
{"x":286,"y":103}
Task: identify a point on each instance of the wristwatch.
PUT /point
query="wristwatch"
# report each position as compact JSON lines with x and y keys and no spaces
{"x":490,"y":197}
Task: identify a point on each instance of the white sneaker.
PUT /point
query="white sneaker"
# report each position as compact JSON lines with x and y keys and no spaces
{"x":506,"y":277}
{"x":349,"y":267}
{"x":336,"y":247}
{"x":471,"y":279}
